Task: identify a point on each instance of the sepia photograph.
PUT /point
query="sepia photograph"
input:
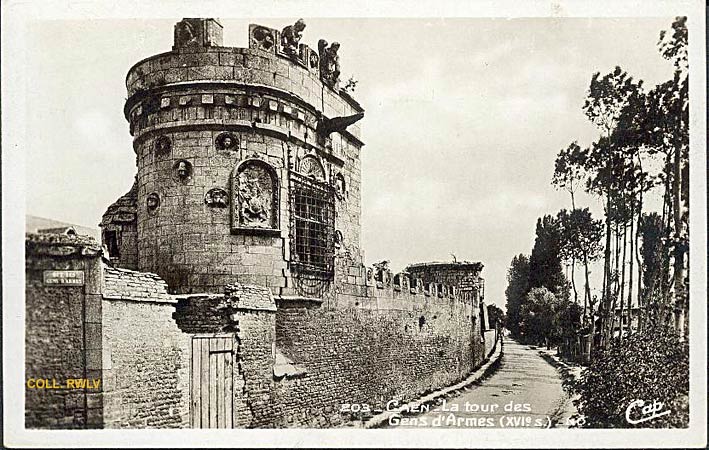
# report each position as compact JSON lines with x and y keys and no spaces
{"x":362,"y":225}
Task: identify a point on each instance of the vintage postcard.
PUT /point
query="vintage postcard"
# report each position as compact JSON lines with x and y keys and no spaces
{"x":452,"y":225}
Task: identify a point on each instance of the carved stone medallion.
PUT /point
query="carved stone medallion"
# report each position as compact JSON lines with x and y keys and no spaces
{"x":163,"y":144}
{"x":152,"y":201}
{"x":217,"y":198}
{"x":226,"y":141}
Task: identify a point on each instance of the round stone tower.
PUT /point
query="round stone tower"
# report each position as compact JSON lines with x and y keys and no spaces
{"x":248,"y":164}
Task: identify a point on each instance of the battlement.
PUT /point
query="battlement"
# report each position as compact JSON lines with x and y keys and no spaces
{"x":376,"y":286}
{"x":275,"y":63}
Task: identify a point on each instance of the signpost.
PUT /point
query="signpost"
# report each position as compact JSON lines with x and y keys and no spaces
{"x":64,"y":277}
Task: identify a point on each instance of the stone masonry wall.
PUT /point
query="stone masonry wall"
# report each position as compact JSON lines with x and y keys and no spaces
{"x":371,"y":354}
{"x":146,"y":357}
{"x":248,"y":313}
{"x":62,"y":333}
{"x":464,"y":274}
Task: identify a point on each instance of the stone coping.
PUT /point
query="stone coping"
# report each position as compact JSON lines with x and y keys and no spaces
{"x":61,"y":244}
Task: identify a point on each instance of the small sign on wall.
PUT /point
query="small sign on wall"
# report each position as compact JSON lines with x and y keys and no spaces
{"x":64,"y":277}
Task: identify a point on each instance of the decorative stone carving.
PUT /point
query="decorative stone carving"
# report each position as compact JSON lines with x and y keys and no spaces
{"x":255,"y":185}
{"x":322,"y":48}
{"x":152,"y":201}
{"x":313,"y":60}
{"x":370,"y":273}
{"x":340,"y":186}
{"x":187,"y":33}
{"x":163,"y":144}
{"x":183,"y":170}
{"x":290,"y":38}
{"x":397,"y":280}
{"x":329,"y":62}
{"x":196,"y":32}
{"x":217,"y":198}
{"x":262,"y":38}
{"x":326,"y":126}
{"x":310,"y":166}
{"x":350,"y":85}
{"x":338,"y":239}
{"x":226,"y":141}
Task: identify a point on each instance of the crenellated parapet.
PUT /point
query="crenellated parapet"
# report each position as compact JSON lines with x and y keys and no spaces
{"x":306,"y":82}
{"x":358,"y":286}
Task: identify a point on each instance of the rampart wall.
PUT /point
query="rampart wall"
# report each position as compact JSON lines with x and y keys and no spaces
{"x":296,"y":362}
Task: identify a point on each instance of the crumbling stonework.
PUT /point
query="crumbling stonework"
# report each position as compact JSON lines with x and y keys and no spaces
{"x":119,"y":230}
{"x":146,"y":366}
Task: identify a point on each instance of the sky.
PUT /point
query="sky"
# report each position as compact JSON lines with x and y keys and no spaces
{"x":463,"y":121}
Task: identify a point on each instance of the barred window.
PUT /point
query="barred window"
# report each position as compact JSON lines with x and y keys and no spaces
{"x":312,"y":227}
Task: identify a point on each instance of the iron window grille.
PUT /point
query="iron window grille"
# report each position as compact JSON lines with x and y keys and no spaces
{"x":312,"y":228}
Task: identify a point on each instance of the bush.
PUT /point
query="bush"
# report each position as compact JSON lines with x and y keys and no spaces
{"x":651,"y":366}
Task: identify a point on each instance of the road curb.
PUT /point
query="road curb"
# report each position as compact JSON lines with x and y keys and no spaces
{"x":567,"y":410}
{"x":487,"y":369}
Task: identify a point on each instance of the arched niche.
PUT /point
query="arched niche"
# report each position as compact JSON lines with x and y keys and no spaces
{"x":310,"y":166}
{"x":254,"y":191}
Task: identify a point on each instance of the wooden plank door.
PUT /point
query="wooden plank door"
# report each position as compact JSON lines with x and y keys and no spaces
{"x":212,"y":383}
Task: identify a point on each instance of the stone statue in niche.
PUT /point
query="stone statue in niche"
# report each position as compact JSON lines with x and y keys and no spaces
{"x":329,"y":62}
{"x":290,"y":37}
{"x":256,"y":190}
{"x":262,"y":37}
{"x":217,"y":198}
{"x":163,"y":145}
{"x":226,"y":141}
{"x":152,"y":201}
{"x":338,"y":239}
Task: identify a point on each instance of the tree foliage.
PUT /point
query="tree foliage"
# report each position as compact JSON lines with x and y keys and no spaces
{"x":650,"y":366}
{"x":545,"y":263}
{"x":495,"y":316}
{"x":547,"y":318}
{"x":516,"y":291}
{"x":537,"y":316}
{"x":568,"y":170}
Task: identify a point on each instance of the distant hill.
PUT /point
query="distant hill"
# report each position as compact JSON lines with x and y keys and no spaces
{"x":34,"y":223}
